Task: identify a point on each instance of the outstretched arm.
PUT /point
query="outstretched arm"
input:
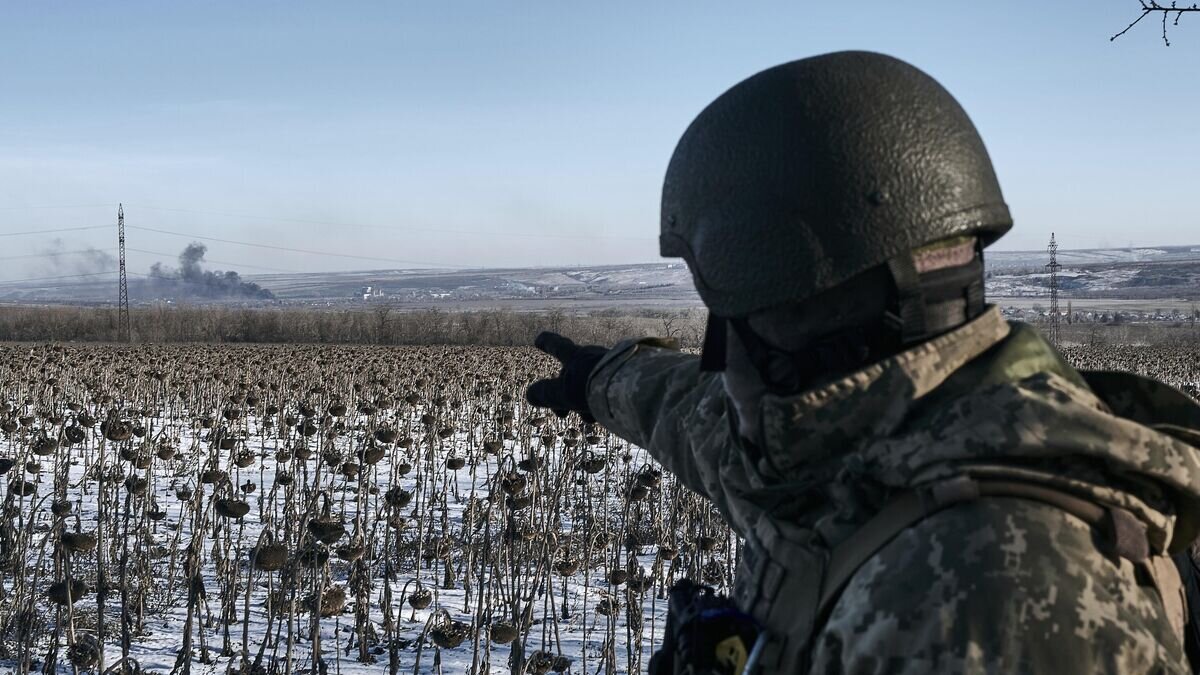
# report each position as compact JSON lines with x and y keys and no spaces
{"x":656,"y":397}
{"x":648,"y":393}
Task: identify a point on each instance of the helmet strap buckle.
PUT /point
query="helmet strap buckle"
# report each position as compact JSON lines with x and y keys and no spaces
{"x":907,"y":316}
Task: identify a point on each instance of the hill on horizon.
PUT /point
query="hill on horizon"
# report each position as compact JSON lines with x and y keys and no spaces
{"x":1117,"y":273}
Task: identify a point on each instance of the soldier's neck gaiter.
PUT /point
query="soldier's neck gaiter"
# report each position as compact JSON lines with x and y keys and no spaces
{"x":745,"y":388}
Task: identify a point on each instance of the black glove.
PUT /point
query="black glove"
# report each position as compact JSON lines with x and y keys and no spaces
{"x":568,"y":391}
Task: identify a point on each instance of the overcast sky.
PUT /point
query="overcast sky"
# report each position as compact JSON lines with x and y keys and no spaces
{"x":525,"y":133}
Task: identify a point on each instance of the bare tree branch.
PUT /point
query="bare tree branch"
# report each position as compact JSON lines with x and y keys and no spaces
{"x":1151,"y":6}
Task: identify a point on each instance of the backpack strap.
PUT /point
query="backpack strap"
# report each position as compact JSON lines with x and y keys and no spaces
{"x":1166,"y":578}
{"x":1188,"y":574}
{"x":775,"y":585}
{"x":1124,"y":534}
{"x":771,"y":564}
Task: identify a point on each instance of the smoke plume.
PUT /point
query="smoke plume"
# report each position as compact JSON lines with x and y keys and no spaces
{"x":61,"y":261}
{"x":189,"y":280}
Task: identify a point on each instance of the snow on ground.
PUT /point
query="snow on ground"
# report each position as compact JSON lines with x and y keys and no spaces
{"x":551,"y":557}
{"x":574,"y":633}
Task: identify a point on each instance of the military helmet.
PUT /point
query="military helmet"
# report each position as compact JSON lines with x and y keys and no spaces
{"x":814,"y":171}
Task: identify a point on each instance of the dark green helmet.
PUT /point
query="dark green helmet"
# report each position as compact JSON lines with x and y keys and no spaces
{"x":814,"y":171}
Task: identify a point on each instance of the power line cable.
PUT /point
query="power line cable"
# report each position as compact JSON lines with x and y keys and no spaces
{"x":297,"y":250}
{"x":535,"y":235}
{"x":325,"y":223}
{"x":216,"y":262}
{"x":61,"y":229}
{"x":138,"y":250}
{"x":11,"y":282}
{"x":72,"y":206}
{"x":57,"y":253}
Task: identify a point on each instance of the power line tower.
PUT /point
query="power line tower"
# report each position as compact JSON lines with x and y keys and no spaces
{"x":1053,"y":267}
{"x":123,"y":334}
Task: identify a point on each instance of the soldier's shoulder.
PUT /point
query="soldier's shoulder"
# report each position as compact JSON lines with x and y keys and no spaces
{"x":1003,"y":585}
{"x":1147,"y":401}
{"x":1022,"y":354}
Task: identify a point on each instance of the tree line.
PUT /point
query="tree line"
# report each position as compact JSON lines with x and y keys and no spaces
{"x":380,"y":325}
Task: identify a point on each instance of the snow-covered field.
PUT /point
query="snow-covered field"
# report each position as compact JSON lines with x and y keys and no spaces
{"x":452,"y":515}
{"x":1070,"y":280}
{"x":445,"y":525}
{"x":1003,"y":261}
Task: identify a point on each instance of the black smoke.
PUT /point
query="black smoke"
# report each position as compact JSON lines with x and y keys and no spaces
{"x":189,"y":280}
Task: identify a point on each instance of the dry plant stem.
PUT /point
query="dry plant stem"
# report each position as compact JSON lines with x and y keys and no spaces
{"x":451,"y":532}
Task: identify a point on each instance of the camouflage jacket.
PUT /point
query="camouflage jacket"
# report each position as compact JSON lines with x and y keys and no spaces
{"x":999,"y":585}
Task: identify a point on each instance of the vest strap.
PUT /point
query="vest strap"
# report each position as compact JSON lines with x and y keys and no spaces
{"x":1125,"y":534}
{"x":782,"y":651}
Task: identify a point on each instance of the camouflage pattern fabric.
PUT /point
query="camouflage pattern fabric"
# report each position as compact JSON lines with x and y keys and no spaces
{"x":1003,"y":584}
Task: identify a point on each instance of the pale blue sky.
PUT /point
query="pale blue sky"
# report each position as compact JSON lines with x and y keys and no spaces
{"x":439,"y":129}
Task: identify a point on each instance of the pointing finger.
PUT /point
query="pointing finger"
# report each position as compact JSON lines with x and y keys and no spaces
{"x":555,"y":345}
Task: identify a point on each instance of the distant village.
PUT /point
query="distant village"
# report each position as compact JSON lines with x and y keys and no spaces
{"x":1038,"y":313}
{"x":506,"y":289}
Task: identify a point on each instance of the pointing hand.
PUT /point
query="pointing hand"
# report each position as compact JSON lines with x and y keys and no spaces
{"x":568,"y":391}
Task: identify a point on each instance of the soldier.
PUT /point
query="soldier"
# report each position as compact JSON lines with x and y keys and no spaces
{"x":921,"y":486}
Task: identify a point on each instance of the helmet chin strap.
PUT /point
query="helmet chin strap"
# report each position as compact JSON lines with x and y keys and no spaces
{"x":906,"y":317}
{"x":927,"y":305}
